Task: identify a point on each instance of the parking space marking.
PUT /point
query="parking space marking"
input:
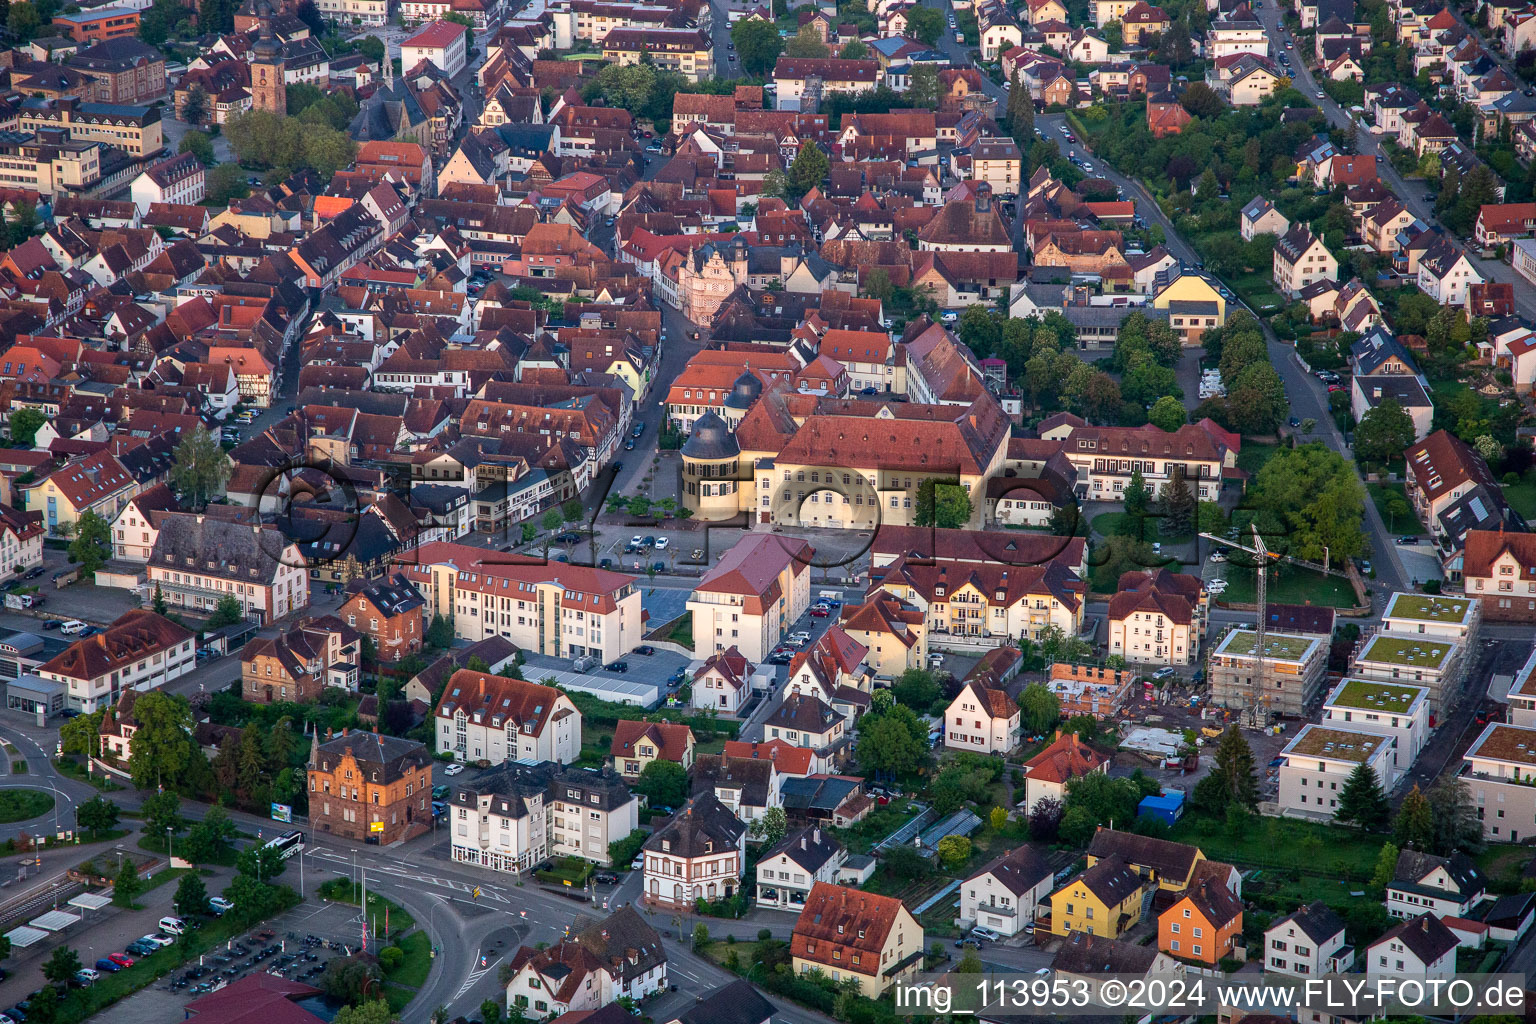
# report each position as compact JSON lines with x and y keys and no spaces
{"x":474,"y":976}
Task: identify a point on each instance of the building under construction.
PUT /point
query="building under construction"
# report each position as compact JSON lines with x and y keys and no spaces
{"x":1288,"y":666}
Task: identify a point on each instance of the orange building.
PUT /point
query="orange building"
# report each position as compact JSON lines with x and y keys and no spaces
{"x":1204,"y":925}
{"x":368,"y":787}
{"x":95,"y":26}
{"x":388,"y":612}
{"x":1090,"y":689}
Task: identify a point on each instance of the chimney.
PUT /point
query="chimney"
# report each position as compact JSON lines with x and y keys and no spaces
{"x":343,"y":730}
{"x":802,"y":841}
{"x":816,"y":835}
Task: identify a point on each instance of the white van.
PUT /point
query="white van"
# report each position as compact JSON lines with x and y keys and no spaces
{"x":72,"y":627}
{"x":173,"y":925}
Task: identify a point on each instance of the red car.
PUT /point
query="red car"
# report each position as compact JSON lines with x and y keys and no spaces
{"x":820,"y":612}
{"x":1335,"y":387}
{"x":122,"y":959}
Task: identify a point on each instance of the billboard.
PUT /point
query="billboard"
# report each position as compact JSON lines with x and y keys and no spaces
{"x":282,"y":812}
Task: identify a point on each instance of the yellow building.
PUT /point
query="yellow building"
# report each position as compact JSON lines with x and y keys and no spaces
{"x":135,"y":130}
{"x":1103,"y":900}
{"x":1194,"y":306}
{"x":687,"y":51}
{"x":637,"y":744}
{"x":97,"y":483}
{"x":1171,"y":865}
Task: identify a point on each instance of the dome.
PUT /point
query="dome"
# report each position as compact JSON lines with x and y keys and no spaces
{"x":744,"y":392}
{"x":711,"y":439}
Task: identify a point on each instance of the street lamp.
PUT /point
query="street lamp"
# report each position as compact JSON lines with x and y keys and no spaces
{"x":169,"y":837}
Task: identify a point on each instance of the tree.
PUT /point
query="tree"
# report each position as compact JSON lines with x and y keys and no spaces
{"x":970,"y":962}
{"x":809,"y":168}
{"x":1167,"y":414}
{"x":916,"y":689}
{"x":23,"y":20}
{"x":892,"y":740}
{"x":1414,"y":826}
{"x":1201,"y":100}
{"x":82,"y":734}
{"x":199,"y":146}
{"x":377,"y":1011}
{"x":663,"y":784}
{"x":440,"y":633}
{"x":1177,"y":504}
{"x":1041,"y":708}
{"x":924,"y":89}
{"x":162,"y":814}
{"x":1137,"y":498}
{"x":44,"y":1007}
{"x":1361,"y":801}
{"x":1455,"y":817}
{"x":226,"y":182}
{"x":98,"y":815}
{"x":92,"y":545}
{"x":1045,"y":819}
{"x":208,"y":840}
{"x":1232,"y":781}
{"x":998,"y":819}
{"x":758,"y":45}
{"x":954,"y":851}
{"x":64,"y":962}
{"x":127,"y":884}
{"x":806,"y":43}
{"x":925,"y":24}
{"x":1318,"y":496}
{"x":573,"y":511}
{"x":1384,"y":432}
{"x":942,"y":503}
{"x":24,"y":424}
{"x":226,"y":612}
{"x":770,"y":827}
{"x":853,"y":49}
{"x":1386,"y":866}
{"x":199,"y":466}
{"x":162,"y":747}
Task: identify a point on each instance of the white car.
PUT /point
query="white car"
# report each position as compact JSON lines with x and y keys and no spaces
{"x":637,"y":541}
{"x":160,"y":939}
{"x":983,"y":932}
{"x":220,"y":905}
{"x":1217,"y":556}
{"x":453,"y":769}
{"x":87,"y":975}
{"x":661,"y":543}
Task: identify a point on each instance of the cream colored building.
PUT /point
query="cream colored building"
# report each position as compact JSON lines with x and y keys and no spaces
{"x":565,"y":611}
{"x":997,"y":162}
{"x":1289,"y":671}
{"x":752,"y":596}
{"x":1500,"y":772}
{"x":1006,"y":894}
{"x":1317,"y":764}
{"x":1158,"y":618}
{"x":515,"y":817}
{"x":484,"y":717}
{"x":851,"y":935}
{"x":996,"y":602}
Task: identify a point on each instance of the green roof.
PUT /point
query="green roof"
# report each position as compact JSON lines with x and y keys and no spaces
{"x":1410,"y":651}
{"x":1240,"y":643}
{"x":1339,"y":744}
{"x":1429,"y":607}
{"x":1393,"y":698}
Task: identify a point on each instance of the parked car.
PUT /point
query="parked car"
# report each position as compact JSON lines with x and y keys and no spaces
{"x":110,"y":966}
{"x":453,"y":769}
{"x":120,"y":959}
{"x":645,"y":649}
{"x":220,"y":905}
{"x":606,"y":878}
{"x":661,"y":543}
{"x":638,"y":431}
{"x":87,"y":976}
{"x":658,"y":566}
{"x":440,"y":792}
{"x":618,"y":666}
{"x":636,"y":542}
{"x":983,"y":932}
{"x":1405,"y":539}
{"x":821,"y":611}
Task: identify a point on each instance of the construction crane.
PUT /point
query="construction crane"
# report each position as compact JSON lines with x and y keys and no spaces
{"x":1263,"y":559}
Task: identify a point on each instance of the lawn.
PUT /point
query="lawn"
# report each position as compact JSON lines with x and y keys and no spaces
{"x":1404,"y":525}
{"x":1290,"y":585}
{"x":24,"y":804}
{"x":1257,"y":289}
{"x":1285,"y":843}
{"x":1522,"y":497}
{"x":1109,"y":524}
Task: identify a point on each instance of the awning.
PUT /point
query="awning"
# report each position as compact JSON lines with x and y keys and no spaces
{"x":55,"y":920}
{"x":91,"y":901}
{"x":23,"y":937}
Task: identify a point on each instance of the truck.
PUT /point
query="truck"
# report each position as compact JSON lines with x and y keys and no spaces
{"x":23,"y":600}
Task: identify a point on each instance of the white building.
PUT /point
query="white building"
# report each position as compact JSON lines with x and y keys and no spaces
{"x":1398,"y":710}
{"x":180,"y":180}
{"x":1005,"y":894}
{"x":752,"y":596}
{"x":140,"y":651}
{"x":1318,"y":762}
{"x":786,"y":873}
{"x":1444,"y":886}
{"x":723,"y":682}
{"x":441,"y":44}
{"x":515,"y":817}
{"x":1500,"y":772}
{"x":483,"y":717}
{"x":1308,"y":943}
{"x":619,"y":957}
{"x":1442,"y":617}
{"x":1436,"y":665}
{"x":1421,"y":948}
{"x":982,"y":720}
{"x":699,"y":854}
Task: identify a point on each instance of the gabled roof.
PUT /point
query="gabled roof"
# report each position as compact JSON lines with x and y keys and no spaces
{"x":671,"y":739}
{"x":1317,"y":921}
{"x":1425,"y":936}
{"x":1169,"y":859}
{"x":1019,"y":870}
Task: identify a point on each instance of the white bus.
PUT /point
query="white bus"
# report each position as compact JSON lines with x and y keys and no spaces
{"x":288,"y":844}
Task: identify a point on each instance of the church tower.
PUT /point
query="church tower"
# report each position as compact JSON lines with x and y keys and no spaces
{"x":267,"y":89}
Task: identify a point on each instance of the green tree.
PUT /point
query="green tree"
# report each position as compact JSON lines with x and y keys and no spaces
{"x":853,"y":49}
{"x":942,"y":503}
{"x":758,"y":45}
{"x":1167,"y":414}
{"x":970,"y":962}
{"x":82,"y":734}
{"x":209,"y":840}
{"x":917,"y":689}
{"x":1384,"y":432}
{"x":127,"y":884}
{"x":924,"y":88}
{"x":226,"y":182}
{"x":998,"y":819}
{"x":573,"y":511}
{"x":1317,"y":494}
{"x":98,"y":815}
{"x":60,"y":968}
{"x":1137,"y":499}
{"x":892,"y":740}
{"x":377,"y":1011}
{"x":806,"y":43}
{"x":663,"y":784}
{"x":1386,"y":866}
{"x":925,"y":24}
{"x":770,"y":827}
{"x":92,"y":545}
{"x":199,"y":146}
{"x":23,"y":20}
{"x":809,"y":168}
{"x":1361,"y":801}
{"x":1040,"y":708}
{"x":1233,"y":781}
{"x":1177,"y":505}
{"x":226,"y":612}
{"x":162,"y":748}
{"x":440,"y":633}
{"x":1455,"y":816}
{"x":1414,"y":826}
{"x":24,"y":423}
{"x":954,"y":851}
{"x":199,"y":466}
{"x":44,"y":1006}
{"x":162,"y":814}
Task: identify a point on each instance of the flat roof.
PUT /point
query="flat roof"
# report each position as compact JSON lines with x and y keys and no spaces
{"x":1429,"y":607}
{"x":1336,"y":744}
{"x":91,"y":901}
{"x":1415,"y":652}
{"x":24,"y":936}
{"x":1241,"y":643}
{"x":55,"y":920}
{"x":1501,"y":741}
{"x":1367,"y":695}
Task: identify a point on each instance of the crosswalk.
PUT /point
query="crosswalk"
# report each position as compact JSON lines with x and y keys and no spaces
{"x":481,"y":892}
{"x":475,"y":975}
